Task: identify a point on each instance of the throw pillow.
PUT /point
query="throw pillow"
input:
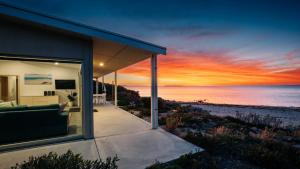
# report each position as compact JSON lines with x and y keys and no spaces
{"x":62,"y":106}
{"x":14,"y":103}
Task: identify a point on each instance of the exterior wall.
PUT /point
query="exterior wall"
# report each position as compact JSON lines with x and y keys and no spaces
{"x":23,"y":40}
{"x":28,"y":41}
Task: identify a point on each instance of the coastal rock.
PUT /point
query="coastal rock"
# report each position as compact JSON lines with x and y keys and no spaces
{"x":297,"y":146}
{"x":194,"y":126}
{"x":135,"y":112}
{"x":297,"y":140}
{"x":287,"y":138}
{"x":164,"y":115}
{"x":255,"y":130}
{"x":193,"y":131}
{"x":252,"y":134}
{"x":205,"y":134}
{"x":182,"y":132}
{"x":284,"y":138}
{"x":209,"y":125}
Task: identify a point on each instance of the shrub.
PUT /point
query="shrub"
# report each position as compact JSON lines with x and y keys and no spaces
{"x":273,"y":155}
{"x":266,"y":134}
{"x":296,"y":133}
{"x":226,"y":144}
{"x":162,"y":121}
{"x":68,"y":160}
{"x":188,"y":119}
{"x":163,"y":105}
{"x":258,"y":120}
{"x":221,"y":130}
{"x":172,"y":122}
{"x":189,"y":161}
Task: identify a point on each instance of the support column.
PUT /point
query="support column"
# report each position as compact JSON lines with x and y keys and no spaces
{"x":103,"y":85}
{"x":116,"y":89}
{"x":97,"y":86}
{"x":87,"y":95}
{"x":154,"y":100}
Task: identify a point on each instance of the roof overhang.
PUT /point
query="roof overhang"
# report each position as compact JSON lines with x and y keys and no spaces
{"x":115,"y":56}
{"x":114,"y":50}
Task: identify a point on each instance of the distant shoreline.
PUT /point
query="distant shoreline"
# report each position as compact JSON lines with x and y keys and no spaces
{"x":289,"y":115}
{"x":243,"y":106}
{"x":273,"y":96}
{"x":278,"y":85}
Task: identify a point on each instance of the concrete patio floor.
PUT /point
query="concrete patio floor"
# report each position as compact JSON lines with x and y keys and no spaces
{"x":117,"y":132}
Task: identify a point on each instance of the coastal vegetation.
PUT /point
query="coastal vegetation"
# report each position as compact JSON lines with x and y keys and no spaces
{"x":68,"y":160}
{"x":231,"y":142}
{"x":243,"y":141}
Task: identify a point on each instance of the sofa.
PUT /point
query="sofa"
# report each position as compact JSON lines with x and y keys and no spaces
{"x":26,"y":123}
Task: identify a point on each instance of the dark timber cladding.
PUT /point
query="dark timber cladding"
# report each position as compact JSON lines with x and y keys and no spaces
{"x":26,"y":40}
{"x":20,"y":39}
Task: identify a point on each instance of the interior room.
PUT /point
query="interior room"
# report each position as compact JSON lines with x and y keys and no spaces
{"x":39,"y":100}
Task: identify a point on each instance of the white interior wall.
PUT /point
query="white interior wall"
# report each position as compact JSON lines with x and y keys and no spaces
{"x":20,"y":68}
{"x":12,"y":87}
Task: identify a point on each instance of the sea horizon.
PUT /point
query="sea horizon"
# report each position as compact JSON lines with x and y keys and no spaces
{"x":258,"y":95}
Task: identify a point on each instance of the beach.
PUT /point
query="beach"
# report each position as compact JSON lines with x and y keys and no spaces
{"x":288,"y":115}
{"x":282,"y":96}
{"x":277,"y":101}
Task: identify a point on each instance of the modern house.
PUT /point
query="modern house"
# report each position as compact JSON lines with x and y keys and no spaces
{"x":45,"y":62}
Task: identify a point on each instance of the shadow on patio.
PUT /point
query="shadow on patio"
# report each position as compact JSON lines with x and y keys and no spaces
{"x":133,"y":140}
{"x":116,"y":132}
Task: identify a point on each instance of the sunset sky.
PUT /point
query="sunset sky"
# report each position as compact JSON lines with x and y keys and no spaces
{"x":222,"y":42}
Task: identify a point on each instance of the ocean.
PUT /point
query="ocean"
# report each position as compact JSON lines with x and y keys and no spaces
{"x":287,"y":96}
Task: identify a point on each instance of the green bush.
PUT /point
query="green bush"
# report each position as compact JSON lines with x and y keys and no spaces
{"x":266,"y":154}
{"x":162,"y":121}
{"x":68,"y":160}
{"x":163,"y":105}
{"x":189,"y":161}
{"x":273,"y":155}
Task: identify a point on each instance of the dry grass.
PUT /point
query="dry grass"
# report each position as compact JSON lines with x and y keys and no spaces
{"x":256,"y":119}
{"x":172,"y":122}
{"x":266,"y":134}
{"x":221,"y":130}
{"x":296,"y":133}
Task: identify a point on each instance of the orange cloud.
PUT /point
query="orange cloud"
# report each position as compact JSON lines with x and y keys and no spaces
{"x":206,"y":69}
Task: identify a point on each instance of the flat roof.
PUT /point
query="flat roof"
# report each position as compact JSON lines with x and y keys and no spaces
{"x":66,"y":25}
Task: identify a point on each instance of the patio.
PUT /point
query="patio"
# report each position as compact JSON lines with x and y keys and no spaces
{"x":116,"y":132}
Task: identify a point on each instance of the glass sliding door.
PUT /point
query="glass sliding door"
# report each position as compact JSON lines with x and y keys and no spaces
{"x":39,"y":100}
{"x":8,"y":88}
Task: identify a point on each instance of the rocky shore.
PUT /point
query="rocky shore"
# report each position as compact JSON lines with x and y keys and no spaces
{"x":242,"y":138}
{"x":244,"y":141}
{"x":290,"y":116}
{"x":233,"y":136}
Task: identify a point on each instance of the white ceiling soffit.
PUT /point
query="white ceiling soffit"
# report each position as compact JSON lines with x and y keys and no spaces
{"x":115,"y":56}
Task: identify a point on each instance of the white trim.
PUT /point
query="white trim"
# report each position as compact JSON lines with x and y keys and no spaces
{"x":116,"y":89}
{"x":154,"y":100}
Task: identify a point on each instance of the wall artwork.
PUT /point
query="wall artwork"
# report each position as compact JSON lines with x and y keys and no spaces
{"x":38,"y":79}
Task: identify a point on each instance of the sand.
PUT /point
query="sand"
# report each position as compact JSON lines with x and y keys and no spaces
{"x":289,"y":115}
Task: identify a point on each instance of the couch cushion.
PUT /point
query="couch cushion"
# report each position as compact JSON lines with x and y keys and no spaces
{"x":6,"y":104}
{"x":14,"y":103}
{"x":28,"y":118}
{"x":17,"y":108}
{"x":50,"y":106}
